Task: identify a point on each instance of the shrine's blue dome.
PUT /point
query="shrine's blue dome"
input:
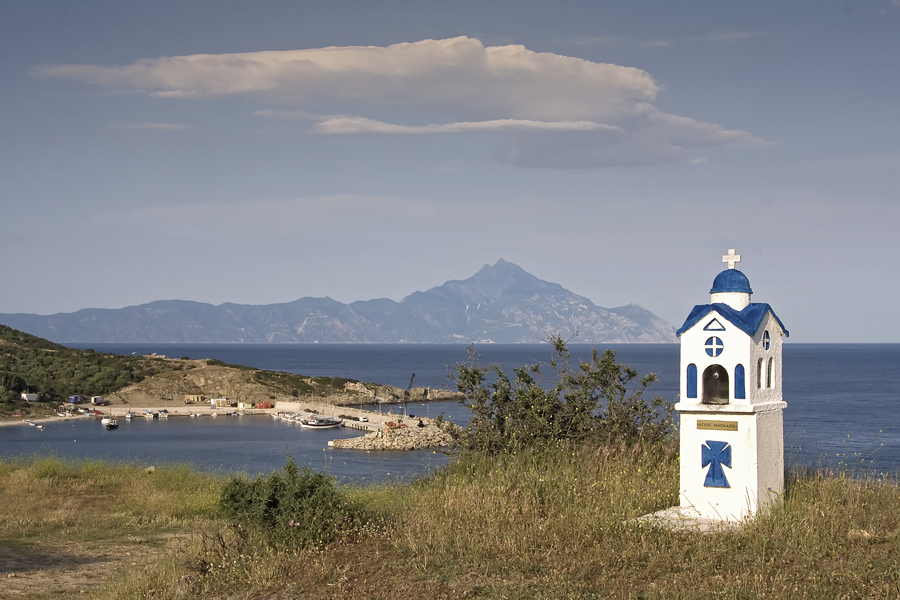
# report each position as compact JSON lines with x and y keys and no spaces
{"x":731,"y":280}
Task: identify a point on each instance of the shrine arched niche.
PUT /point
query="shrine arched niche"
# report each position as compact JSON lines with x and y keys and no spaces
{"x":715,"y":385}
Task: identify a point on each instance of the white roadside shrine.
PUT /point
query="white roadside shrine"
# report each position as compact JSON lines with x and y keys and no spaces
{"x":731,"y":407}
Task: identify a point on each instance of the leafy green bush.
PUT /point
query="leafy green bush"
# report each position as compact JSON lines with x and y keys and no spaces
{"x":296,"y":506}
{"x":588,"y":403}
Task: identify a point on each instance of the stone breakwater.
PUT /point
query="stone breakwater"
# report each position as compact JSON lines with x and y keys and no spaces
{"x":406,"y":438}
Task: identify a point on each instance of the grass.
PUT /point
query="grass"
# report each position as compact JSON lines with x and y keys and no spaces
{"x":551,"y":524}
{"x":90,"y":500}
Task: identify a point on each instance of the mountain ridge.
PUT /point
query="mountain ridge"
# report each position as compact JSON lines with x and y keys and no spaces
{"x":501,"y":303}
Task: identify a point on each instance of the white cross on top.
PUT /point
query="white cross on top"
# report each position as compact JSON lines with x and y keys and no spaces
{"x":731,"y":258}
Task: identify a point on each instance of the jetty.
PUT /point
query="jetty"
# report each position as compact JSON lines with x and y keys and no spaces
{"x":382,"y":430}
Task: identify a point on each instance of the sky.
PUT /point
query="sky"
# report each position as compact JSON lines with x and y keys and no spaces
{"x":260,"y":152}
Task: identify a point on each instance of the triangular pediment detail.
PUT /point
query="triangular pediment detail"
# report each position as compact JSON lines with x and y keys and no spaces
{"x":714,"y":325}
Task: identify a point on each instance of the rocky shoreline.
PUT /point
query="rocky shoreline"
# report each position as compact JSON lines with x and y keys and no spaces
{"x":406,"y":438}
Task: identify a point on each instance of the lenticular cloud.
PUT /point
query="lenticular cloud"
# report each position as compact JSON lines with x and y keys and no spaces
{"x":544,"y":104}
{"x":459,"y":77}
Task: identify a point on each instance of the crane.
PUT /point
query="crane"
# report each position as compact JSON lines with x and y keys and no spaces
{"x":406,"y":395}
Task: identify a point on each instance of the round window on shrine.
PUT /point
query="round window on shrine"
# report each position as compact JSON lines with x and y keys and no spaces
{"x":714,"y":346}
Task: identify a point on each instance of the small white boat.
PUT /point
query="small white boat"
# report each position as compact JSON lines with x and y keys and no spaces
{"x":128,"y":415}
{"x":111,"y":424}
{"x":105,"y":420}
{"x":320,"y":422}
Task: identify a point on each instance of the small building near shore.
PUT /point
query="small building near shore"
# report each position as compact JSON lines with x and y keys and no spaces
{"x":30,"y":397}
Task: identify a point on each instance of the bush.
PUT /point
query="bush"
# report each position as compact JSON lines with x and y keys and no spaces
{"x":295,"y":507}
{"x":590,"y":403}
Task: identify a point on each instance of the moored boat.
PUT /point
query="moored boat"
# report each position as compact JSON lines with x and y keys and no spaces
{"x":320,"y":422}
{"x":111,"y":424}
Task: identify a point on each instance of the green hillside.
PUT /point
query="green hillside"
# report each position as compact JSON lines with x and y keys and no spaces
{"x":32,"y":364}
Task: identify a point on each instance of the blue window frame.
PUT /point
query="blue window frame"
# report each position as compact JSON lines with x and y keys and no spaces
{"x":692,"y":381}
{"x":766,"y":340}
{"x":739,"y":386}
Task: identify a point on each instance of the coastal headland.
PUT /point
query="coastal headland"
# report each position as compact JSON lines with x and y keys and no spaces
{"x":189,"y":388}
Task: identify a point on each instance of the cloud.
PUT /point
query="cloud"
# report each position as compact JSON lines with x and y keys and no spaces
{"x":458,"y":76}
{"x":351,"y":124}
{"x":156,"y":126}
{"x":526,"y":97}
{"x":356,"y":125}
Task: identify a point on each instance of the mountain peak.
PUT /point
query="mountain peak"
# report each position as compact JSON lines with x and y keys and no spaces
{"x":494,"y":282}
{"x":501,"y":303}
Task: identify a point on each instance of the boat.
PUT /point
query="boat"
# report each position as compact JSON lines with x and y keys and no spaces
{"x":128,"y":415}
{"x":163,"y":414}
{"x":111,"y":424}
{"x":106,"y":419}
{"x":320,"y":422}
{"x":150,"y":415}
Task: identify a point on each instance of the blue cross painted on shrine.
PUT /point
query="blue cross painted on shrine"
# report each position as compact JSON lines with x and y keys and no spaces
{"x":716,"y":454}
{"x":714,"y":346}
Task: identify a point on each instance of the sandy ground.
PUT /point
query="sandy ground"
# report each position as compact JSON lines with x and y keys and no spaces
{"x":67,"y":569}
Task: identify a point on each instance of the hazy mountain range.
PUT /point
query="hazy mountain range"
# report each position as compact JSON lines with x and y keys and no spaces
{"x":501,"y":303}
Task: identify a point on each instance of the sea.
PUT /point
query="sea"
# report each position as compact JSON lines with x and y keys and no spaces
{"x":842,"y":407}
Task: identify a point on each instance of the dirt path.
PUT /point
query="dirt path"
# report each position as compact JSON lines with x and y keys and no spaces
{"x":30,"y":571}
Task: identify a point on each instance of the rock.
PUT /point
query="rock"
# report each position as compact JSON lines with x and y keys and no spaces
{"x":406,"y":438}
{"x":858,"y":534}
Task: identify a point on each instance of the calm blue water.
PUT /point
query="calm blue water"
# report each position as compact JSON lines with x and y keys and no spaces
{"x":841,"y":407}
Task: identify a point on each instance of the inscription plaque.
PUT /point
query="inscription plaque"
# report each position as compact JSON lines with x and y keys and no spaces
{"x":718,"y":425}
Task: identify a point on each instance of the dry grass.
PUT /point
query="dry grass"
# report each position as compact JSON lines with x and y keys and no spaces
{"x":550,"y":524}
{"x":557,"y":524}
{"x":66,"y":527}
{"x":92,"y":499}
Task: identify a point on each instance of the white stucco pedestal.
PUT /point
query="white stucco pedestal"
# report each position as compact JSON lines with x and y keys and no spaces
{"x":732,"y":463}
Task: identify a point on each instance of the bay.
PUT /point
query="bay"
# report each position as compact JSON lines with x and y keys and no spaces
{"x":841,"y":400}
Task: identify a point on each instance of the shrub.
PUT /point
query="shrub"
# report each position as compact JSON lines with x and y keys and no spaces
{"x":588,"y":403}
{"x":295,"y":507}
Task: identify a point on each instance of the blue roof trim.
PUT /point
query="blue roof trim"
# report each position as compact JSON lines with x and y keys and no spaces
{"x":747,"y":320}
